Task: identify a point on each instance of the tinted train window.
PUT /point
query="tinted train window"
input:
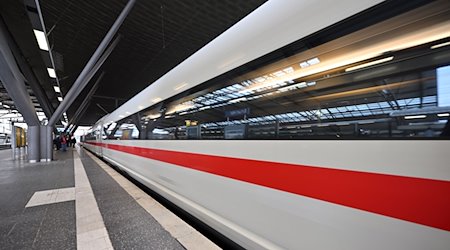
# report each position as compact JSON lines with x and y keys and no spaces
{"x":376,"y":82}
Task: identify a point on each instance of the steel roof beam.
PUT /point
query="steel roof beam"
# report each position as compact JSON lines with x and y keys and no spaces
{"x":86,"y":100}
{"x":80,"y":82}
{"x":14,"y":82}
{"x":29,"y":75}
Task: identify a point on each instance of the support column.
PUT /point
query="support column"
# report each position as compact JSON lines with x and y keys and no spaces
{"x":33,"y":144}
{"x":49,"y":143}
{"x":43,"y":142}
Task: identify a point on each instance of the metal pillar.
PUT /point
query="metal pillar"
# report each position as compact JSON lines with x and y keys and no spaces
{"x":85,"y":101}
{"x":30,"y":77}
{"x":43,"y":142}
{"x":13,"y":81}
{"x":33,"y":143}
{"x":89,"y":69}
{"x":80,"y":116}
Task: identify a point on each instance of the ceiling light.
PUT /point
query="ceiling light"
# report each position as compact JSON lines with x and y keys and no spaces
{"x":6,"y":106}
{"x":443,"y":115}
{"x":204,"y":107}
{"x":156,"y":100}
{"x":304,"y":64}
{"x":313,"y":61}
{"x":57,"y":89}
{"x":279,"y":73}
{"x":181,"y":86}
{"x":415,"y":117}
{"x":42,"y":41}
{"x":387,"y":59}
{"x":51,"y":72}
{"x":121,"y":116}
{"x":309,"y":62}
{"x":238,"y":100}
{"x":60,"y":98}
{"x":140,"y":107}
{"x":440,"y":45}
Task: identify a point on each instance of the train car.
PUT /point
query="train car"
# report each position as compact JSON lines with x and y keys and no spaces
{"x":307,"y":125}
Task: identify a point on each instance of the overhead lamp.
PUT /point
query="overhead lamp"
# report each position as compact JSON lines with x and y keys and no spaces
{"x":42,"y":41}
{"x":121,"y":116}
{"x":309,"y":62}
{"x":180,"y":86}
{"x":387,"y":59}
{"x":415,"y":117}
{"x":238,"y":100}
{"x":440,"y":45}
{"x":57,"y":89}
{"x":156,"y":100}
{"x":6,"y":106}
{"x":51,"y":72}
{"x":204,"y":107}
{"x":443,"y":115}
{"x":60,"y":98}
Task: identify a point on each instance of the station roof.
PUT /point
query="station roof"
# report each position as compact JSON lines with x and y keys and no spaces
{"x":155,"y":37}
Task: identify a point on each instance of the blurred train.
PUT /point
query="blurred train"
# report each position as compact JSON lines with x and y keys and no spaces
{"x":307,"y":125}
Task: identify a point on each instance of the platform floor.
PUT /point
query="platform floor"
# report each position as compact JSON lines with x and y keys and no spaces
{"x":79,"y":202}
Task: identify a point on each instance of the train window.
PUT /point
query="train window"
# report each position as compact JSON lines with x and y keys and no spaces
{"x":127,"y":131}
{"x":388,"y":80}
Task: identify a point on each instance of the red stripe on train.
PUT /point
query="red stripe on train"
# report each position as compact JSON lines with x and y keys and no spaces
{"x":423,"y":201}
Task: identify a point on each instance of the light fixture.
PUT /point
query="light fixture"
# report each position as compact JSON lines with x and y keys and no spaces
{"x":42,"y":41}
{"x":415,"y":117}
{"x":6,"y":106}
{"x":238,"y":100}
{"x":121,"y":116}
{"x":204,"y":107}
{"x":51,"y":72}
{"x":181,"y":86}
{"x":60,"y":98}
{"x":387,"y":59}
{"x":443,"y":115}
{"x":57,"y":89}
{"x":309,"y":62}
{"x":440,"y":45}
{"x":156,"y":100}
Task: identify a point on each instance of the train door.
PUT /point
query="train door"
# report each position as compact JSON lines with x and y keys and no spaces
{"x":99,"y":139}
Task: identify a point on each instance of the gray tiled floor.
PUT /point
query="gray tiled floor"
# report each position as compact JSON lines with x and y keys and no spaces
{"x":53,"y":226}
{"x":128,"y":224}
{"x":41,"y":227}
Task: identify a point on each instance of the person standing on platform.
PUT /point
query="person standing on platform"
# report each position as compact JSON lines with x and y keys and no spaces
{"x":68,"y":140}
{"x":57,"y":142}
{"x":73,"y":141}
{"x":63,"y":142}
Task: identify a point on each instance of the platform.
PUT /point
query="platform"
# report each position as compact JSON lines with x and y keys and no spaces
{"x":79,"y":202}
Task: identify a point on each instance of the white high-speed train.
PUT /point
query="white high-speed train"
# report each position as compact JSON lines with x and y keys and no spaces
{"x":307,"y":125}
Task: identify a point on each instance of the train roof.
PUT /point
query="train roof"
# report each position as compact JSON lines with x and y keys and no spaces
{"x":237,"y":46}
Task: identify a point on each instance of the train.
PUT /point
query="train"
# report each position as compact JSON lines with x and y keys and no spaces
{"x":306,"y":125}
